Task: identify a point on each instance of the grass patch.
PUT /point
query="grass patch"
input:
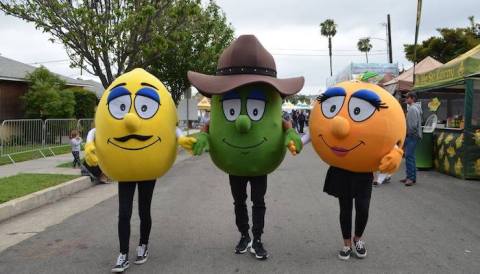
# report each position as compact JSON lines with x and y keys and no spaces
{"x":32,"y":155}
{"x":22,"y":184}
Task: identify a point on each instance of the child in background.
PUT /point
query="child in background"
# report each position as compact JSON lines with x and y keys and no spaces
{"x":75,"y":140}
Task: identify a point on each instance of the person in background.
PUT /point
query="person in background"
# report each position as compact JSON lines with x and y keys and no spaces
{"x":301,"y":121}
{"x":414,"y":134}
{"x":295,"y":120}
{"x":75,"y":141}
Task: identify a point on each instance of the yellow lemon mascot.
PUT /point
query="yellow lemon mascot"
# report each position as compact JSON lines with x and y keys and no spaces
{"x":135,"y":142}
{"x":357,"y":128}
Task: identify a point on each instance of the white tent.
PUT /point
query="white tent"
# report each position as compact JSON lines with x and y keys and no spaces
{"x":404,"y":82}
{"x":288,"y":106}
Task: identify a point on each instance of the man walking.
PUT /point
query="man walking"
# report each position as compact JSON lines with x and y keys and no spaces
{"x":414,"y":134}
{"x":301,"y":121}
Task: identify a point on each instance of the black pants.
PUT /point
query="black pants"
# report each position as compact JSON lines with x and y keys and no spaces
{"x":258,"y":186}
{"x":76,"y":158}
{"x":361,"y":215}
{"x":126,"y":190}
{"x":302,"y":124}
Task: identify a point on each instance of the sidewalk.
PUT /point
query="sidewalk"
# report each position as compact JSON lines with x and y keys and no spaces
{"x":41,"y":165}
{"x":24,"y":226}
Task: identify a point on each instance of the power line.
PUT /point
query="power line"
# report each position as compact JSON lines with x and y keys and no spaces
{"x":326,"y":55}
{"x":326,"y":50}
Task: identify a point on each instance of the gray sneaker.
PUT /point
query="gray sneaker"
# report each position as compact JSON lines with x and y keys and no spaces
{"x":142,"y":254}
{"x":360,"y":249}
{"x":345,"y":253}
{"x":122,"y":263}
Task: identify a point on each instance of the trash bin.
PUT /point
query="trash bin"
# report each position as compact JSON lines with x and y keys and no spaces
{"x":424,"y":151}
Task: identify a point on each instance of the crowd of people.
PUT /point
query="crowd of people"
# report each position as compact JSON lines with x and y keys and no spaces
{"x":298,"y":118}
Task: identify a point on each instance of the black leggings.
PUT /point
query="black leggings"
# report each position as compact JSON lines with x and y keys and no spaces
{"x":76,"y":158}
{"x":126,"y":190}
{"x":361,"y":216}
{"x":258,"y":186}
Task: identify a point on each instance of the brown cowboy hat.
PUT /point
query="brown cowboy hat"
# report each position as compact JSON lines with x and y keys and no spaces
{"x":244,"y":62}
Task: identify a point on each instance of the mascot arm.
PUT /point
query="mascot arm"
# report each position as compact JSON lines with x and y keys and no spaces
{"x":391,"y":162}
{"x":90,"y":155}
{"x":306,"y":138}
{"x":200,"y":143}
{"x":292,"y":141}
{"x":185,"y":142}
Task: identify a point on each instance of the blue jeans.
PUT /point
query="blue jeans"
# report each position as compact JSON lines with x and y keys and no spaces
{"x":411,"y":166}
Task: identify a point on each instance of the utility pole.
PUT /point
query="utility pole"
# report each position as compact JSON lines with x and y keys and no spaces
{"x":389,"y":34}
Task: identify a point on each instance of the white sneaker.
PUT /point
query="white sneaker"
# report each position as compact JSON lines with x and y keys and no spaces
{"x":122,"y":263}
{"x":142,"y":254}
{"x":360,"y":249}
{"x":344,"y":254}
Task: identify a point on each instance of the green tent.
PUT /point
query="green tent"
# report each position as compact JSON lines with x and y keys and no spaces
{"x":455,"y":71}
{"x":457,"y":85}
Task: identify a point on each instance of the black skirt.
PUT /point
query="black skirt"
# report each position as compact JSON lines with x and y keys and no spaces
{"x":342,"y":183}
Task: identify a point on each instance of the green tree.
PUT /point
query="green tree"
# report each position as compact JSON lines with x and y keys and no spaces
{"x":328,"y":29}
{"x":85,"y":102}
{"x":450,"y":44}
{"x":197,"y":48}
{"x":46,"y":97}
{"x":108,"y":37}
{"x":364,"y":46}
{"x":475,"y":27}
{"x":294,"y":99}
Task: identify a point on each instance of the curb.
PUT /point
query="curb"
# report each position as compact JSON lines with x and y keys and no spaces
{"x":43,"y":197}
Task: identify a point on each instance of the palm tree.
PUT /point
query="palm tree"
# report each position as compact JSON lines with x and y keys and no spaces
{"x":328,"y":29}
{"x":364,"y":46}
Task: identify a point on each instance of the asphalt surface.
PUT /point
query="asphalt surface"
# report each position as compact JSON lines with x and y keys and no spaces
{"x":432,"y":227}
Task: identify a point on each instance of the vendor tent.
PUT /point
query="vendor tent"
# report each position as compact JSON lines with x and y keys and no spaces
{"x":204,"y":104}
{"x":456,"y":86}
{"x":302,"y":106}
{"x":455,"y":71}
{"x":288,"y":106}
{"x":404,"y":82}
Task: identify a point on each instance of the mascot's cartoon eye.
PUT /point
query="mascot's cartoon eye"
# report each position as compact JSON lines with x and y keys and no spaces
{"x":145,"y":106}
{"x":231,"y":108}
{"x":120,"y":106}
{"x":359,"y":109}
{"x":255,"y":109}
{"x":332,"y":105}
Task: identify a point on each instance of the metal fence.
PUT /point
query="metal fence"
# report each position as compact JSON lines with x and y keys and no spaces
{"x":25,"y":135}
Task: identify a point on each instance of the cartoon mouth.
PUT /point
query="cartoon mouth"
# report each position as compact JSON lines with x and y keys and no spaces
{"x":340,"y":151}
{"x":133,"y":136}
{"x":245,"y":147}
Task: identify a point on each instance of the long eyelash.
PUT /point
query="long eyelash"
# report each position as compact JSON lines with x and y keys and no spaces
{"x":378,"y":104}
{"x":321,"y":98}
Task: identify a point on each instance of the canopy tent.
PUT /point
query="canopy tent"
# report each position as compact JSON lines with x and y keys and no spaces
{"x":204,"y":104}
{"x":404,"y":82}
{"x":456,"y":85}
{"x":302,"y":106}
{"x":288,"y":106}
{"x":465,"y":65}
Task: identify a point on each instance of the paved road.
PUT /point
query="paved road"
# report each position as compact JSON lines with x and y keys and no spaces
{"x":432,"y":227}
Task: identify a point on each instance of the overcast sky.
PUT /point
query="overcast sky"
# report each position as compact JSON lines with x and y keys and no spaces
{"x":289,"y":30}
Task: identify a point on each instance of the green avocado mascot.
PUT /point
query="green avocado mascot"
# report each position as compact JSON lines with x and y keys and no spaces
{"x":246,"y":134}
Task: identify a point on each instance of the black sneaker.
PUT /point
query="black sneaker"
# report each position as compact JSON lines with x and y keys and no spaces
{"x":122,"y":263}
{"x":142,"y":254}
{"x":360,"y":249}
{"x":345,"y":253}
{"x":244,"y":243}
{"x":258,"y":250}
